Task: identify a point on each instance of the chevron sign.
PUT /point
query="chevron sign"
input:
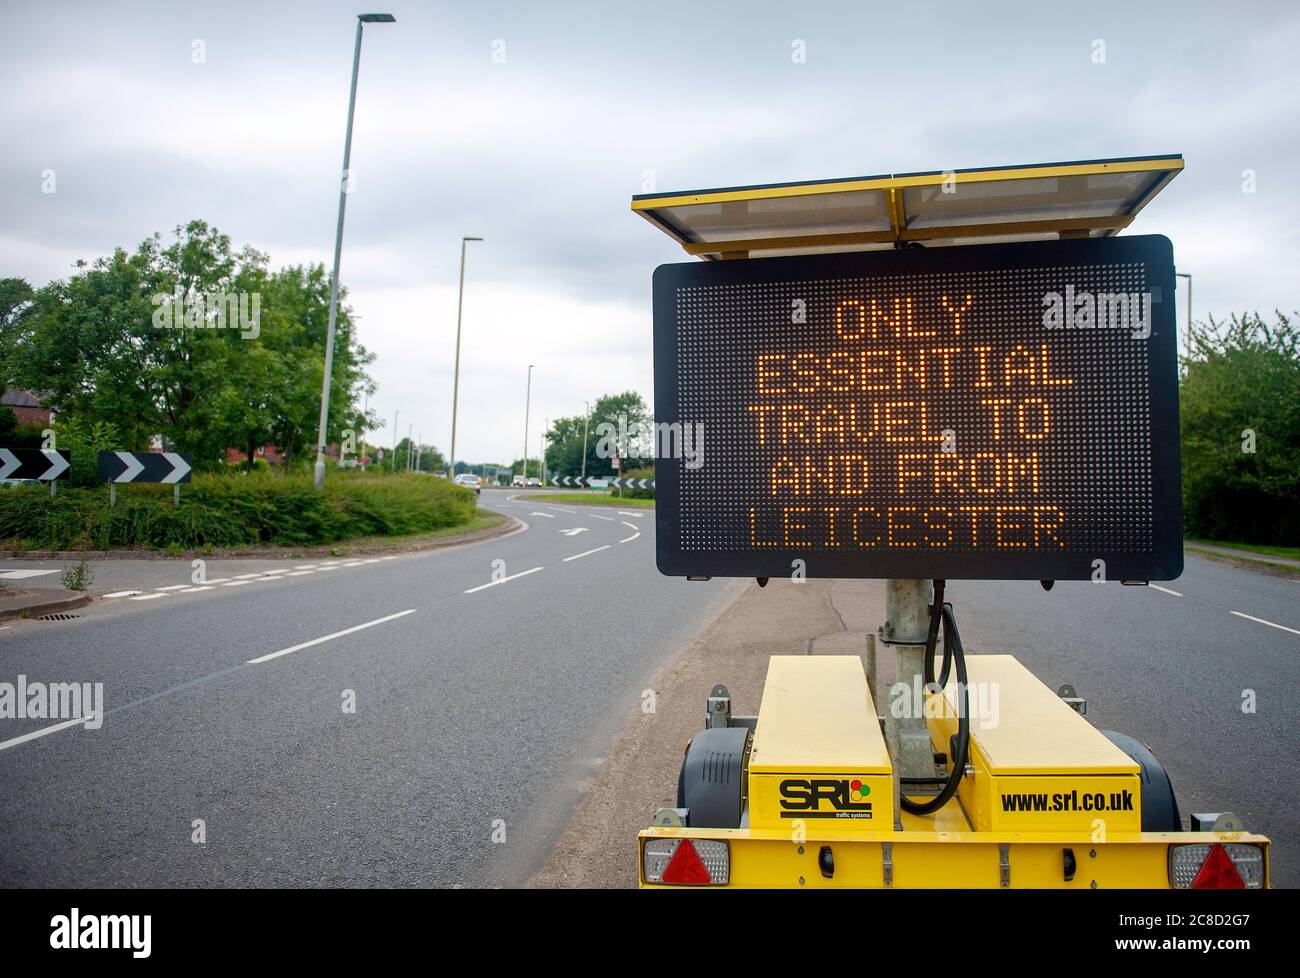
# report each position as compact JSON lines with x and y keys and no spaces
{"x":168,"y":468}
{"x":32,"y":463}
{"x":578,"y":481}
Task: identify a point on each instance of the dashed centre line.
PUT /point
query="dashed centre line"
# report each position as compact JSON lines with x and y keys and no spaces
{"x":587,"y":553}
{"x":502,"y":580}
{"x":1264,"y":621}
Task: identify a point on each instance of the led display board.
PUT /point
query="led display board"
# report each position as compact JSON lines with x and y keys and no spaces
{"x":1002,"y":411}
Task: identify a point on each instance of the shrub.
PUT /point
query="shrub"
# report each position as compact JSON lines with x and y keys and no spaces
{"x":233,"y":510}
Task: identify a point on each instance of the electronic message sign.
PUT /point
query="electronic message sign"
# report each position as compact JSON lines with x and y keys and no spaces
{"x":999,"y":411}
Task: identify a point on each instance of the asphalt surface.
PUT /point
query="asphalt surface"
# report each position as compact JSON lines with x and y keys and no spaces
{"x":483,"y":712}
{"x":480,"y":710}
{"x":1213,"y":693}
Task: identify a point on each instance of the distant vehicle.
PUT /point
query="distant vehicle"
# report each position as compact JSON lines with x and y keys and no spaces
{"x":534,"y":480}
{"x":519,"y":482}
{"x":20,"y":482}
{"x":469,"y":481}
{"x":440,"y":474}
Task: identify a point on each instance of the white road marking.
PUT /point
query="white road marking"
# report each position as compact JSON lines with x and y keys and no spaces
{"x":191,"y":590}
{"x":607,"y":519}
{"x":503,"y":580}
{"x":372,"y":560}
{"x":18,"y":575}
{"x":587,"y":553}
{"x":299,"y":573}
{"x":1176,"y":594}
{"x":1269,"y":623}
{"x":561,"y":509}
{"x":623,"y":512}
{"x":327,"y":638}
{"x":245,"y":577}
{"x":235,"y":583}
{"x":630,"y":526}
{"x":355,"y":563}
{"x":217,"y":580}
{"x":305,"y":567}
{"x":5,"y":745}
{"x":575,"y":531}
{"x":172,"y":587}
{"x":326,"y":567}
{"x":277,"y":570}
{"x":147,"y":597}
{"x":549,"y":516}
{"x":121,"y":594}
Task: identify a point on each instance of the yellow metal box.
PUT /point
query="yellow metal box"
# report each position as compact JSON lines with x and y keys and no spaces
{"x":818,"y":753}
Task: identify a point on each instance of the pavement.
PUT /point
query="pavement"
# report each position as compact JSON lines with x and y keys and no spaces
{"x":423,"y":719}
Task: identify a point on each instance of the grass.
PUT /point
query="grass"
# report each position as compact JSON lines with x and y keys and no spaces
{"x":590,"y":499}
{"x":234,"y":510}
{"x":1255,"y":548}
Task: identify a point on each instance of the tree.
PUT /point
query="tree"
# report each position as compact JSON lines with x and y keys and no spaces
{"x":1240,"y":427}
{"x":133,"y":340}
{"x":15,"y":302}
{"x":626,"y":412}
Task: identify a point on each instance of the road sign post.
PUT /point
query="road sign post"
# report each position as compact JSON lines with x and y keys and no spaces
{"x":42,"y":465}
{"x":166,"y":468}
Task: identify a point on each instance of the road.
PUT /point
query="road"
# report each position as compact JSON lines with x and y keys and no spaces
{"x":1205,"y":669}
{"x":482,"y":703}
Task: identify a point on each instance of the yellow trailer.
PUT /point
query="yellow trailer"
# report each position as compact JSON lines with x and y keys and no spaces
{"x":833,"y":318}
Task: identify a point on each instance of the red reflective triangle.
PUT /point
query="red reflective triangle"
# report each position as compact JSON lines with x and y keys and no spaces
{"x":686,"y":866}
{"x":1217,"y":872}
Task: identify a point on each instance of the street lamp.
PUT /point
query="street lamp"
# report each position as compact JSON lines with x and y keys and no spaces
{"x":410,"y":445}
{"x":1189,"y":298}
{"x":455,"y":381}
{"x":586,"y":417}
{"x":396,"y":414}
{"x":528,"y":399}
{"x":362,"y":20}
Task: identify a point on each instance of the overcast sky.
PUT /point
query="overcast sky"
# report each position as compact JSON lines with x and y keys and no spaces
{"x":540,"y":152}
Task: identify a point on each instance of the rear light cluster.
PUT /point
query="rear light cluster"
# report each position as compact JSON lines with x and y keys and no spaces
{"x":686,"y":862}
{"x":1216,"y":866}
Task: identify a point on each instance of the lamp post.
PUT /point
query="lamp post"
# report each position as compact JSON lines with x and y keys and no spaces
{"x":455,"y":380}
{"x":1187,"y":276}
{"x":528,"y":400}
{"x":410,"y":445}
{"x":586,"y":417}
{"x":396,"y":414}
{"x":362,"y":20}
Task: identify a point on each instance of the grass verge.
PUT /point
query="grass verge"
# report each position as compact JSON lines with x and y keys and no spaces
{"x":590,"y":499}
{"x":1268,"y":551}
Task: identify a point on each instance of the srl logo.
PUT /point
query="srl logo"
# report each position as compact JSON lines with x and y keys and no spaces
{"x":802,"y":798}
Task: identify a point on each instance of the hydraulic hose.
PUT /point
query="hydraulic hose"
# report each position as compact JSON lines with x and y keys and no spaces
{"x":942,"y":614}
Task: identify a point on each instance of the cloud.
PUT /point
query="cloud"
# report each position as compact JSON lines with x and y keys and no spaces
{"x":540,"y":153}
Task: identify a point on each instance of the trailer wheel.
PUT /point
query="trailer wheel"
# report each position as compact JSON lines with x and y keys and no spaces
{"x":1159,"y":806}
{"x":709,"y":784}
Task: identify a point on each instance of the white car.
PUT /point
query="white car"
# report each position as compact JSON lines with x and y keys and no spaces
{"x":468,"y":480}
{"x":519,"y":482}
